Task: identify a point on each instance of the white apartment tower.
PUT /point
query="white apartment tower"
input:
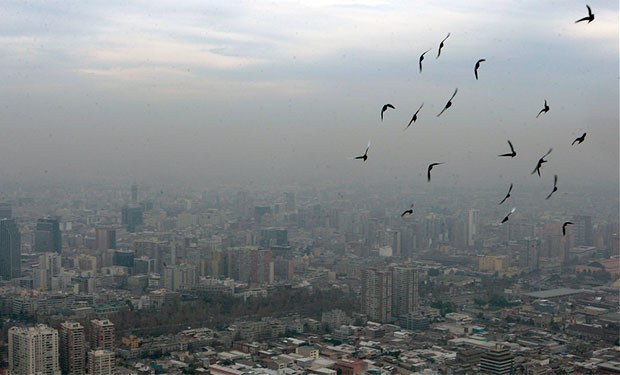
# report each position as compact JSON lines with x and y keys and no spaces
{"x":101,"y":362}
{"x":33,"y":350}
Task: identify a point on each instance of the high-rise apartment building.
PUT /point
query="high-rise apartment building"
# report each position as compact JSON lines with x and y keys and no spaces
{"x":473,"y":219}
{"x":131,"y":217}
{"x":72,"y":348}
{"x":102,"y":334}
{"x":134,"y":194}
{"x":47,"y":236}
{"x":377,"y":294}
{"x":10,"y":250}
{"x":33,"y":350}
{"x":405,"y":298}
{"x":101,"y":362}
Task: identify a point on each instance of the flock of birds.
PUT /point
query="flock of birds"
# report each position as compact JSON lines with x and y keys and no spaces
{"x":511,"y":154}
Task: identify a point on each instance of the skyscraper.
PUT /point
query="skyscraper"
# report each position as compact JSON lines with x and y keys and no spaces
{"x":10,"y":250}
{"x":47,"y":236}
{"x":472,"y":226}
{"x":582,"y":230}
{"x":377,"y":294}
{"x":134,"y":194}
{"x":131,"y":216}
{"x":33,"y":350}
{"x":105,"y":238}
{"x":72,"y":348}
{"x":404,"y":291}
{"x":102,"y":334}
{"x":5,"y":210}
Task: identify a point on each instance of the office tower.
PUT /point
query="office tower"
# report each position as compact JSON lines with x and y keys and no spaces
{"x":5,"y":210}
{"x":102,"y":334}
{"x":393,"y":240}
{"x":10,"y":250}
{"x":472,"y":226}
{"x":134,"y":194}
{"x":131,"y":217}
{"x":582,"y":230}
{"x":72,"y":348}
{"x":101,"y":362}
{"x":105,"y":238}
{"x":33,"y":350}
{"x":273,"y":237}
{"x":123,"y":258}
{"x":497,"y":360}
{"x":530,"y":256}
{"x":377,"y":294}
{"x":404,"y":291}
{"x":47,"y":236}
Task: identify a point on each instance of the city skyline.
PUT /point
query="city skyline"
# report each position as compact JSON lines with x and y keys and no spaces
{"x":243,"y":93}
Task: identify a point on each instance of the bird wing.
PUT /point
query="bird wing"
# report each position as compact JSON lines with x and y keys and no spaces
{"x":453,"y":95}
{"x":555,"y":180}
{"x":547,"y":154}
{"x":428,"y":172}
{"x":511,"y":148}
{"x":509,"y":189}
{"x":589,"y":10}
{"x":550,"y":194}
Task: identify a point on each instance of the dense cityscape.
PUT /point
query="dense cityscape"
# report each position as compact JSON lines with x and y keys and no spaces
{"x":132,"y":279}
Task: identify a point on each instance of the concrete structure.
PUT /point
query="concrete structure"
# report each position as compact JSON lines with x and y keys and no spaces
{"x":377,"y":294}
{"x":497,"y":360}
{"x":101,"y":362}
{"x":102,"y":334}
{"x":72,"y":348}
{"x":10,"y":250}
{"x":47,"y":236}
{"x":33,"y":350}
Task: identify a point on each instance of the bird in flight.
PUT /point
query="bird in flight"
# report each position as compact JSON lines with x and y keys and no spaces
{"x":407,"y":212}
{"x":441,"y":45}
{"x":555,"y":186}
{"x":507,"y":194}
{"x":579,"y":139}
{"x":415,"y":116}
{"x":564,"y":227}
{"x":365,"y":156}
{"x":428,"y":172}
{"x":589,"y":17}
{"x":540,"y":162}
{"x":449,"y":103}
{"x":512,"y":152}
{"x":477,"y":66}
{"x":505,"y":219}
{"x":422,"y":58}
{"x":545,"y":109}
{"x":385,"y":107}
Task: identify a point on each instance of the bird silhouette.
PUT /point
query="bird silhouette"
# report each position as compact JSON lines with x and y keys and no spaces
{"x":555,"y":186}
{"x":449,"y":103}
{"x":564,"y":227}
{"x":512,"y":152}
{"x":507,"y":194}
{"x":441,"y":45}
{"x":385,"y":107}
{"x":428,"y":172}
{"x":477,"y":66}
{"x":589,"y":17}
{"x":579,"y":139}
{"x":415,"y":117}
{"x":365,"y":156}
{"x":540,"y":162}
{"x":422,"y":58}
{"x":505,"y":219}
{"x":545,"y":109}
{"x":407,"y":212}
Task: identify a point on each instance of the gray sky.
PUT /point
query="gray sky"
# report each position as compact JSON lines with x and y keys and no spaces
{"x":209,"y":91}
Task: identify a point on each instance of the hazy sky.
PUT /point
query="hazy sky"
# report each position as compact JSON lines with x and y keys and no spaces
{"x":233,"y":91}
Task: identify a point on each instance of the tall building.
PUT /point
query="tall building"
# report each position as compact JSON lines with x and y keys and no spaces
{"x":33,"y":350}
{"x":530,"y":256}
{"x":497,"y":360}
{"x":10,"y":250}
{"x":5,"y":210}
{"x":377,"y":294}
{"x":473,"y":219}
{"x":405,"y":298}
{"x":134,"y":194}
{"x":392,"y":239}
{"x":72,"y":348}
{"x":582,"y":230}
{"x":105,"y":238}
{"x":101,"y":362}
{"x":180,"y":276}
{"x":131,"y":217}
{"x":47,"y":236}
{"x":49,"y":267}
{"x":102,"y":334}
